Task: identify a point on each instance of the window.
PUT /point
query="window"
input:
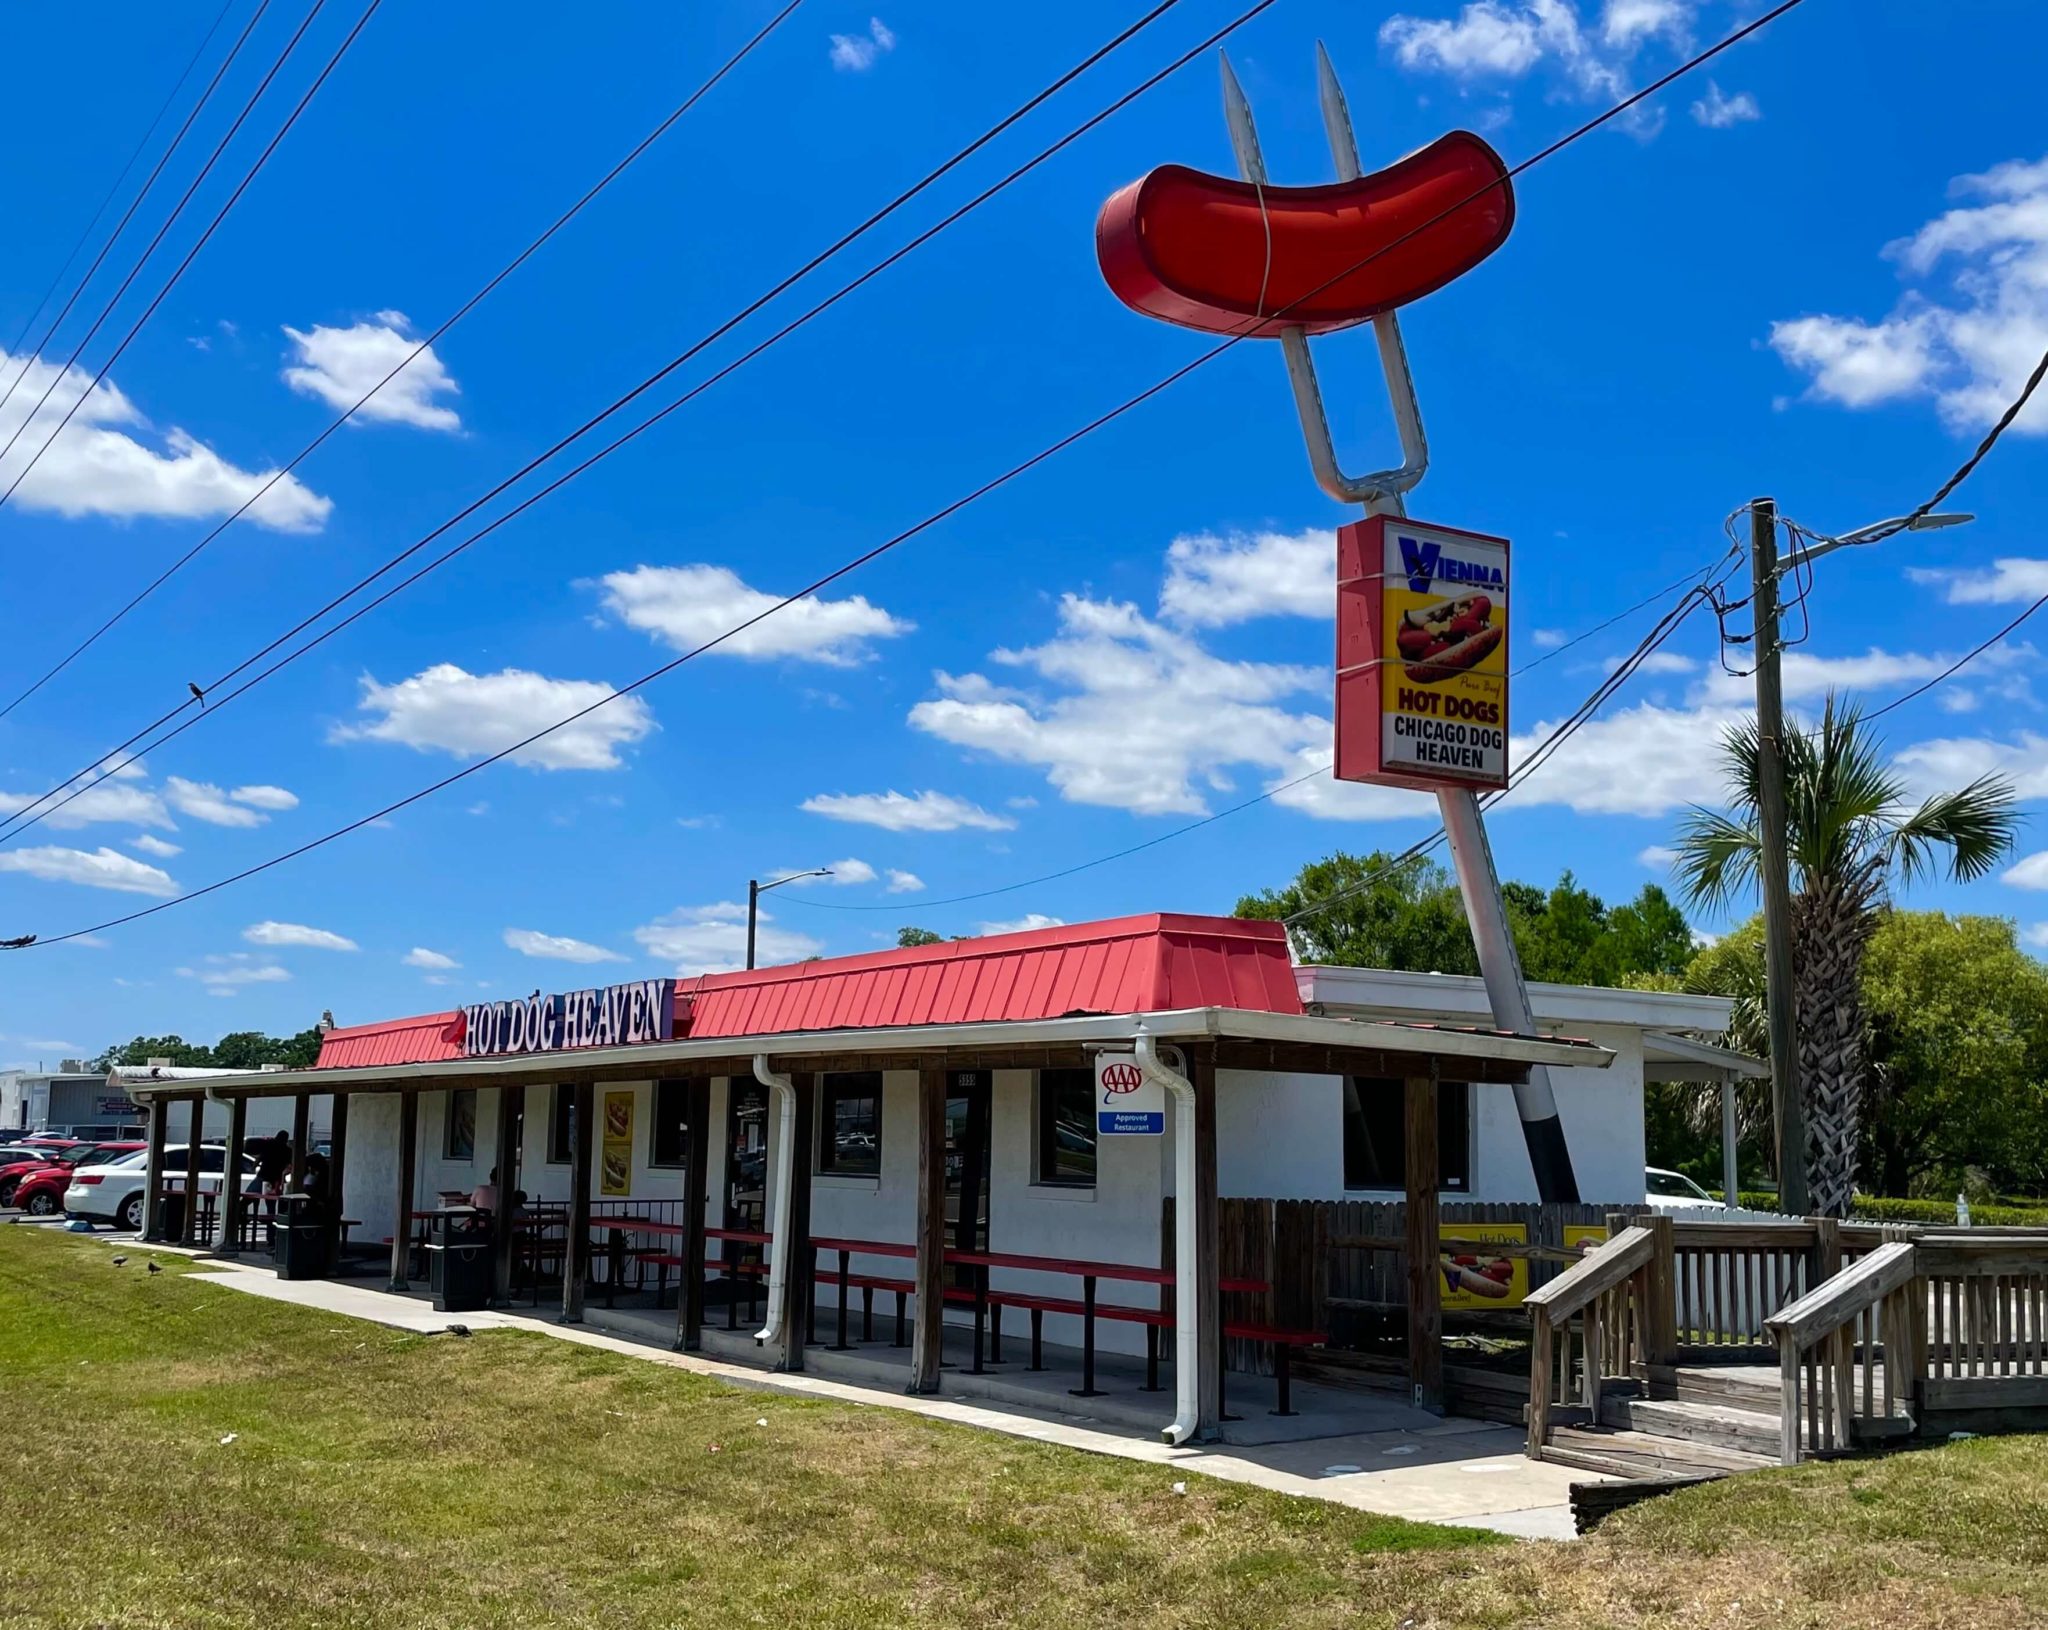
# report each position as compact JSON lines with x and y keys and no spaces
{"x":460,"y":1143}
{"x":850,"y":1124}
{"x":1066,"y":1128}
{"x":561,"y":1121}
{"x":1375,"y":1144}
{"x":1674,"y":1186}
{"x":669,"y":1138}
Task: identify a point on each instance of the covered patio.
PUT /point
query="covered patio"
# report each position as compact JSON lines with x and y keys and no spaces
{"x":1061,"y":1293}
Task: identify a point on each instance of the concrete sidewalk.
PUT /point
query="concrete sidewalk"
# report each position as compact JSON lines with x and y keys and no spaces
{"x":1453,"y":1471}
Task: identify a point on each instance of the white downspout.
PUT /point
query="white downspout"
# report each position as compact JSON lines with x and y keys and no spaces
{"x":784,"y":1092}
{"x":1187,"y":1338}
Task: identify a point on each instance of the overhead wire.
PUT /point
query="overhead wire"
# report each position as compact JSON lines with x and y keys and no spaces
{"x":107,"y":764}
{"x":112,"y":192}
{"x":191,"y":254}
{"x":441,"y":331}
{"x":936,"y":517}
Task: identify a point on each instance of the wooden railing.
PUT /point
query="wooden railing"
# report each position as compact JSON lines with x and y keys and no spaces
{"x":1732,"y":1277}
{"x":1618,"y":1303}
{"x":1859,"y":1324}
{"x":1985,"y":1321}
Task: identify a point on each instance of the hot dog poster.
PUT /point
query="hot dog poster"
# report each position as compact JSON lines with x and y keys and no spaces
{"x":615,"y":1147}
{"x":1474,"y":1278}
{"x":1422,"y":655}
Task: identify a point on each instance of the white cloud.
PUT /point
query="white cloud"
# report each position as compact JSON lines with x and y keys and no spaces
{"x":1022,"y":925}
{"x":206,"y":802}
{"x":1148,"y":719}
{"x":110,"y":801}
{"x":845,"y":873}
{"x":685,"y":607}
{"x":155,"y":847}
{"x":312,"y":939}
{"x":2035,"y":935}
{"x":901,"y":882}
{"x":101,"y":465}
{"x":531,"y":942}
{"x":446,"y":709}
{"x":1808,"y":677}
{"x":223,"y":975}
{"x":100,"y":869}
{"x":262,"y":797}
{"x":1967,"y":345}
{"x":713,"y":939}
{"x":341,"y":366}
{"x":901,"y":812}
{"x":1214,"y":579}
{"x":1644,"y":760}
{"x":420,"y":957}
{"x":1657,"y":662}
{"x":857,"y":53}
{"x":2006,"y":581}
{"x":1719,"y":111}
{"x":2030,"y":873}
{"x":1658,"y":857}
{"x":1547,"y":639}
{"x":1945,"y":763}
{"x":1493,"y":40}
{"x":1327,"y":799}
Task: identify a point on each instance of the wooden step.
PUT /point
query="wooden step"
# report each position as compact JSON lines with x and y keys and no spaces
{"x":1724,"y":1424}
{"x":1747,"y":1386}
{"x":1618,"y":1452}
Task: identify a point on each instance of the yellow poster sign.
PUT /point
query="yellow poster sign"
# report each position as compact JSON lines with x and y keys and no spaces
{"x":1583,"y":1239}
{"x":1475,"y":1278}
{"x":616,"y":1173}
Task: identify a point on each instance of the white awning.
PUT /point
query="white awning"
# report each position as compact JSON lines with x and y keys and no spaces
{"x":1677,"y":1058}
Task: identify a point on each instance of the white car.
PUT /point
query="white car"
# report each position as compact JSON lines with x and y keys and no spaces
{"x":1674,"y":1190}
{"x":113,"y":1193}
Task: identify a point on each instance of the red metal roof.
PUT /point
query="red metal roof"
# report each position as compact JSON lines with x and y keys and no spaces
{"x":1147,"y":964}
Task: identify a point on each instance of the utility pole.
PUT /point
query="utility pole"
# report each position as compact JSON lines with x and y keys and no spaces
{"x":1788,"y":1109}
{"x":756,"y":888}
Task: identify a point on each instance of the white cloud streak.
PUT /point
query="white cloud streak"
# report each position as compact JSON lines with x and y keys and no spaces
{"x":341,"y":366}
{"x":685,"y":607}
{"x":446,"y":709}
{"x":277,"y":935}
{"x":557,"y":947}
{"x":904,"y":812}
{"x":99,"y":869}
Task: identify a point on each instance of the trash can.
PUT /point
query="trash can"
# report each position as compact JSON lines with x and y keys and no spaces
{"x":303,"y":1241}
{"x":459,"y":1263}
{"x":170,"y":1215}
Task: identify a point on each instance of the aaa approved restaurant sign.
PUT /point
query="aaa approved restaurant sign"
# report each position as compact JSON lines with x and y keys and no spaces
{"x":1422,"y":655}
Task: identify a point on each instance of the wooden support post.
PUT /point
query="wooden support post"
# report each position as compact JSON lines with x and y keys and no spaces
{"x":798,"y":1295}
{"x":302,"y":1137}
{"x":506,"y":1155}
{"x":583,"y":1143}
{"x":1425,"y":1279}
{"x":408,"y":1164}
{"x":1660,"y":1309}
{"x":1207,"y":1265}
{"x":928,"y":1334}
{"x":1542,"y":1354}
{"x":194,"y":1136}
{"x":696,"y":1202}
{"x":153,"y":1182}
{"x":231,"y":1179}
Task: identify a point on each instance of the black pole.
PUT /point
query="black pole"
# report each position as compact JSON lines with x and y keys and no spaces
{"x":753,"y":907}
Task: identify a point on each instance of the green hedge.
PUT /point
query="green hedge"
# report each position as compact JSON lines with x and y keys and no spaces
{"x":1871,"y":1208}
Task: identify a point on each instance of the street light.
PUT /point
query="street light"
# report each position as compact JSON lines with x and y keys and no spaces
{"x":755,"y":889}
{"x":1869,"y":534}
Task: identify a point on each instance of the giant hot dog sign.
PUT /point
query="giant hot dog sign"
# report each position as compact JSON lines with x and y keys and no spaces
{"x":1422,"y":655}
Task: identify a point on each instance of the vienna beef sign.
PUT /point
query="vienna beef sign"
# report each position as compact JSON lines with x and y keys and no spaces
{"x":614,"y":1016}
{"x":1422,"y":655}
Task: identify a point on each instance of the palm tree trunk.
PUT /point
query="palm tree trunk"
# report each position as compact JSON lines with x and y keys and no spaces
{"x":1830,"y":928}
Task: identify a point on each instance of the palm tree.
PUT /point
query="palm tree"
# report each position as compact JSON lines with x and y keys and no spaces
{"x":1850,"y":835}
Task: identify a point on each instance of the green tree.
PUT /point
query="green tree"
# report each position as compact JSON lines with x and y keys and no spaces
{"x":144,"y":1048}
{"x":1850,"y":834}
{"x":1959,"y":1057}
{"x":252,"y":1049}
{"x":907,"y":937}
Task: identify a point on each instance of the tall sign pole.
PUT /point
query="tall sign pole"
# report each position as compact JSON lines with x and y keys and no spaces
{"x":1788,"y":1109}
{"x":1507,"y":991}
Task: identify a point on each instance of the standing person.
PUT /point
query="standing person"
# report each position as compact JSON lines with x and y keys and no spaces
{"x":273,"y":1160}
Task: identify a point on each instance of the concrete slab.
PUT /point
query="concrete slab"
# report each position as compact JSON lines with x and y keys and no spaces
{"x":1426,"y":1469}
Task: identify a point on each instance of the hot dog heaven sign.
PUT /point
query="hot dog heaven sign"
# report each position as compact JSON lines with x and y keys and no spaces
{"x":1422,"y":655}
{"x":614,"y":1016}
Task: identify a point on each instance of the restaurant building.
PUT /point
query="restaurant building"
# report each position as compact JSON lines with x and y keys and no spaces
{"x":942,"y":1102}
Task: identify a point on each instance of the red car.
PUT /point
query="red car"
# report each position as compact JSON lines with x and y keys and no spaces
{"x":18,"y":1165}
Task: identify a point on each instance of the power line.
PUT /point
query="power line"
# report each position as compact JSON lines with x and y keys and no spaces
{"x":112,"y":191}
{"x":945,"y":512}
{"x":211,"y":226}
{"x":111,"y":763}
{"x":462,"y":311}
{"x":129,"y":214}
{"x":1959,"y":664}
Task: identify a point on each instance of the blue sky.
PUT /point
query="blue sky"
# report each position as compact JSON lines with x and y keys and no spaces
{"x":1814,"y":270}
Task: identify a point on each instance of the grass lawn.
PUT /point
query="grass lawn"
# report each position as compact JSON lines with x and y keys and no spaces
{"x":382,"y":1479}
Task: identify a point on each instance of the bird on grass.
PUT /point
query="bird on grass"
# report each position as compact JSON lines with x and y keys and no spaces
{"x":153,"y":1268}
{"x":120,"y":1262}
{"x":458,"y":1330}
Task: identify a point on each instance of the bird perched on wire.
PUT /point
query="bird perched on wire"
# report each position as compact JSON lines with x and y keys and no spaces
{"x":19,"y":943}
{"x":198,"y":695}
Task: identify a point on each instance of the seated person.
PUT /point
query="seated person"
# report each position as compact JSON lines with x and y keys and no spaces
{"x":485,"y":1195}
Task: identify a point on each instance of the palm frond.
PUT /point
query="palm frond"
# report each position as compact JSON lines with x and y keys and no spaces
{"x":1977,"y":825}
{"x":1717,"y":858}
{"x":1837,"y":790}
